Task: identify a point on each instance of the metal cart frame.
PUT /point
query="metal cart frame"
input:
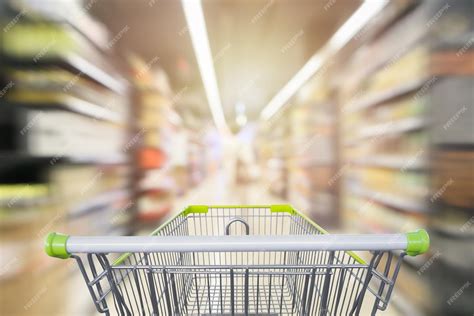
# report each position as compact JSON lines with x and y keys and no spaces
{"x":239,"y":260}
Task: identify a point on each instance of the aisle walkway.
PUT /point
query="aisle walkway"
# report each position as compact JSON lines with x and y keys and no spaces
{"x":221,"y":189}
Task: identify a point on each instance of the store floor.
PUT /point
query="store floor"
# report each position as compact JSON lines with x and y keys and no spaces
{"x":219,"y":189}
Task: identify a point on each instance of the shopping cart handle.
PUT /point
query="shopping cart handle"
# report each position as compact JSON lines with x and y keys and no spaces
{"x":417,"y":242}
{"x":55,"y":245}
{"x":62,"y":246}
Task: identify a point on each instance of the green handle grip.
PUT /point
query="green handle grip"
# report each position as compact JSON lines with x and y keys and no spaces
{"x":418,"y":242}
{"x":55,"y":245}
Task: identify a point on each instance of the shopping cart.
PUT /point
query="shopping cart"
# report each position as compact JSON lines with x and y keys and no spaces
{"x":239,"y":260}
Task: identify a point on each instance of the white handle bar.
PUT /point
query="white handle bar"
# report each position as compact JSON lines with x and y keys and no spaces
{"x":414,"y":243}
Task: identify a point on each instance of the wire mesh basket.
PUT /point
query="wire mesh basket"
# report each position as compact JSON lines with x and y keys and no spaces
{"x":239,"y":260}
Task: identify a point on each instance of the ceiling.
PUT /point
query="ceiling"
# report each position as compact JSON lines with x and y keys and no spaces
{"x":257,"y":45}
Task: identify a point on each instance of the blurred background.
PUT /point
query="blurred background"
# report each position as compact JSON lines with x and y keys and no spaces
{"x":116,"y":114}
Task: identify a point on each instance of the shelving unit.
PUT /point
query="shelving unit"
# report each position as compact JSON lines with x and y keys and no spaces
{"x":274,"y":155}
{"x":393,"y":134}
{"x":168,"y":157}
{"x":154,"y":186}
{"x":311,"y":186}
{"x":452,"y":141}
{"x":377,"y":98}
{"x":196,"y":158}
{"x":384,"y":138}
{"x":299,"y":149}
{"x":63,"y":117}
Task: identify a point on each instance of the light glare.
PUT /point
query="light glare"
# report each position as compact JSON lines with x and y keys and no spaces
{"x":198,"y":32}
{"x":342,"y":36}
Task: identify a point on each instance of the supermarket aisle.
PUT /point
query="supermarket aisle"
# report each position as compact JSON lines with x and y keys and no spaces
{"x":220,"y":189}
{"x":365,"y":128}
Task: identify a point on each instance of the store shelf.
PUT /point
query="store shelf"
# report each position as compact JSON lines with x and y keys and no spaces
{"x":405,"y":204}
{"x":86,"y":56}
{"x":97,"y":74}
{"x":379,"y":97}
{"x":393,"y":127}
{"x":103,"y":160}
{"x":312,"y":162}
{"x":394,"y":162}
{"x":70,"y":13}
{"x":98,"y":203}
{"x":76,"y":64}
{"x":92,"y":110}
{"x":389,"y":128}
{"x":394,"y":132}
{"x":18,"y":218}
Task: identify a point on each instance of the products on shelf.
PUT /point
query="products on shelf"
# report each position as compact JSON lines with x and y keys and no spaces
{"x":405,"y":138}
{"x":453,"y":183}
{"x":63,"y":120}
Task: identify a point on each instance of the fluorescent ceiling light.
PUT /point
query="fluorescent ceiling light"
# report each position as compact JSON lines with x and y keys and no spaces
{"x":292,"y":86}
{"x":197,"y":29}
{"x":343,"y":35}
{"x":355,"y":23}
